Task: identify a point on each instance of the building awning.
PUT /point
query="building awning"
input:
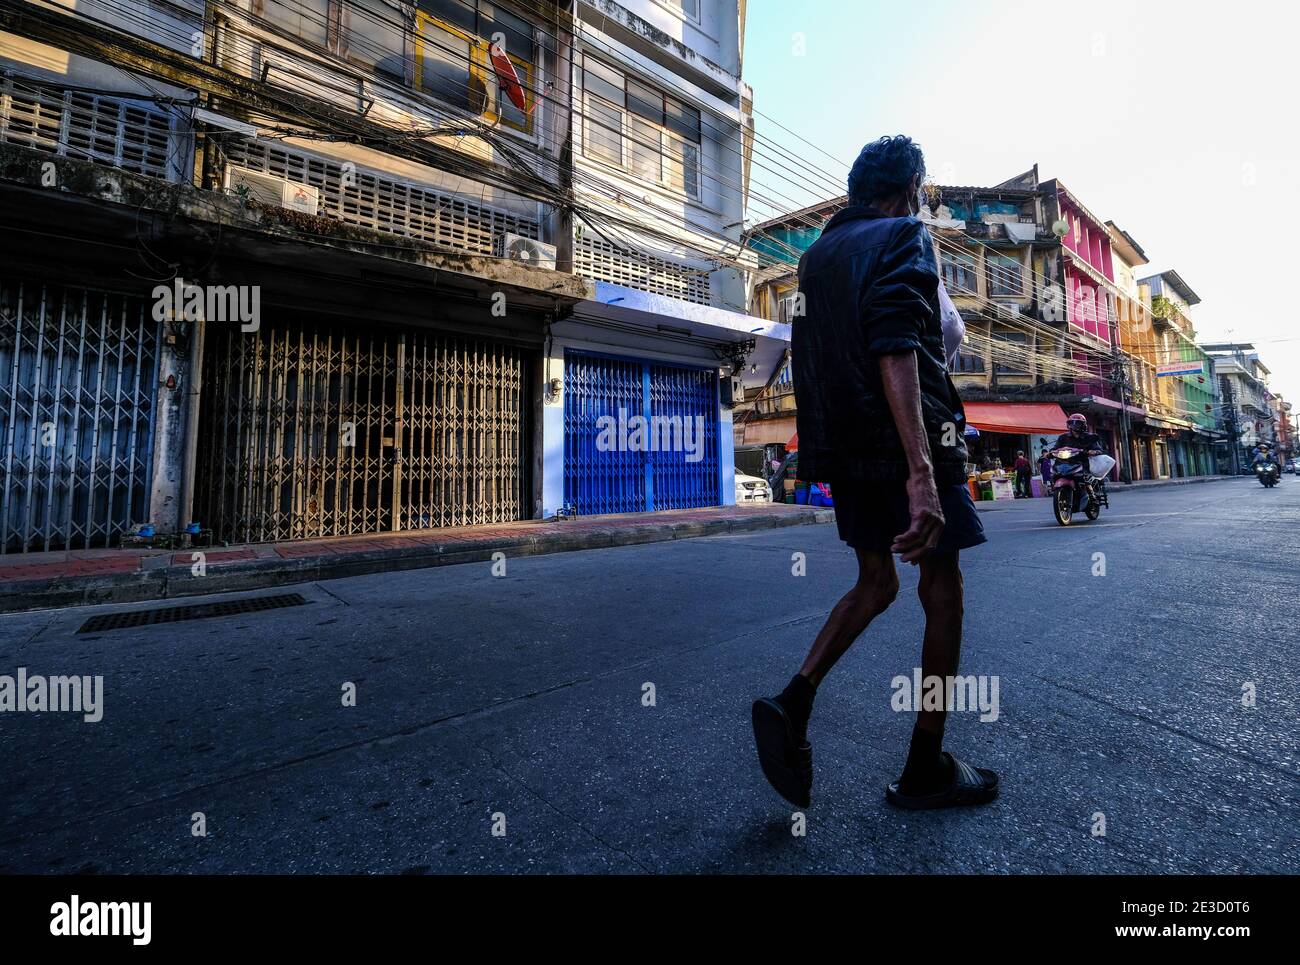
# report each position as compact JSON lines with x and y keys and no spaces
{"x":660,"y":317}
{"x":1016,"y":418}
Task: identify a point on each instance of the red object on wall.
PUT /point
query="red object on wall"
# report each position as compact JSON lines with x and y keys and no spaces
{"x":509,"y":78}
{"x":793,"y":444}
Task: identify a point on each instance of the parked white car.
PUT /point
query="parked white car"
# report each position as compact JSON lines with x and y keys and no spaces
{"x":751,"y":489}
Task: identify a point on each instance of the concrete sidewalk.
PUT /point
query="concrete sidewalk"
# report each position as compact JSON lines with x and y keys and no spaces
{"x":35,"y":581}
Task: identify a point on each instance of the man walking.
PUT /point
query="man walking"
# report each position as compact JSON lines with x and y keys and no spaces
{"x":1023,"y":471}
{"x":879,"y":418}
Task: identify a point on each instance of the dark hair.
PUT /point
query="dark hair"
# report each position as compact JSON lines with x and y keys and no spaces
{"x":884,"y":167}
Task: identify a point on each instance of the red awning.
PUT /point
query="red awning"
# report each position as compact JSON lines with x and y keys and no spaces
{"x":1016,"y":418}
{"x":793,"y":444}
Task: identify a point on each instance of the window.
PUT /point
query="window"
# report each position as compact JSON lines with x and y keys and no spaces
{"x":644,"y":155}
{"x":1005,"y":276}
{"x":629,"y":124}
{"x":689,"y":8}
{"x":447,"y":65}
{"x":602,"y":81}
{"x":376,"y":37}
{"x":305,"y":19}
{"x":500,"y":26}
{"x":602,"y":136}
{"x":453,"y":58}
{"x":1011,"y":359}
{"x":789,"y":306}
{"x":968,"y":362}
{"x":959,"y":273}
{"x":683,"y":166}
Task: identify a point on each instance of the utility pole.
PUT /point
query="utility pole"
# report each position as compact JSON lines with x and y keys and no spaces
{"x":562,"y":214}
{"x":1234,"y":440}
{"x":1119,"y":376}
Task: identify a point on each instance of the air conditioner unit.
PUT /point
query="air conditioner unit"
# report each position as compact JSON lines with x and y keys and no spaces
{"x":526,"y":251}
{"x":268,"y":189}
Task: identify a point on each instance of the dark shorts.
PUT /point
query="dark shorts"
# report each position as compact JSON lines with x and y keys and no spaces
{"x":871,"y":515}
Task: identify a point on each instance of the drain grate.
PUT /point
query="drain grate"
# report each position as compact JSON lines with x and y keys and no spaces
{"x":197,"y":611}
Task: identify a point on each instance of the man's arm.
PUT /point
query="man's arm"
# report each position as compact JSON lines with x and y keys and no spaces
{"x":903,"y":390}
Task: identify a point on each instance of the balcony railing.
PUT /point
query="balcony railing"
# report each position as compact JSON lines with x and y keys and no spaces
{"x":137,"y":136}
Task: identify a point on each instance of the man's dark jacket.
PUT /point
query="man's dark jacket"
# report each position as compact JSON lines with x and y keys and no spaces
{"x":870,"y":288}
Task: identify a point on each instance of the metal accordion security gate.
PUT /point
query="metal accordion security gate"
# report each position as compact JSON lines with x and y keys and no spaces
{"x":78,"y":377}
{"x":672,"y":464}
{"x":313,"y":430}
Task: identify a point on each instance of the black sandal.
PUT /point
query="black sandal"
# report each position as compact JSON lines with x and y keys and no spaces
{"x":971,"y":786}
{"x":786,"y":765}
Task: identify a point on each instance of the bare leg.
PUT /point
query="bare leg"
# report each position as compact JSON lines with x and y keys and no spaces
{"x":876,"y":588}
{"x":941,"y":592}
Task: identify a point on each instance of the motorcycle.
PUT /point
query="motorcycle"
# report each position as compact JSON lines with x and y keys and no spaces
{"x":1074,"y":487}
{"x":1266,"y":473}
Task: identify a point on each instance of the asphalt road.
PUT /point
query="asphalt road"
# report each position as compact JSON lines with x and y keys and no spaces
{"x":516,"y":703}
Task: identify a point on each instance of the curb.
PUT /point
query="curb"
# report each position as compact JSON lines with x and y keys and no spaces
{"x":176,"y":581}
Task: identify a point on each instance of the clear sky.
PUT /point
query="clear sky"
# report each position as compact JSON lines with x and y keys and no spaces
{"x":1176,"y":120}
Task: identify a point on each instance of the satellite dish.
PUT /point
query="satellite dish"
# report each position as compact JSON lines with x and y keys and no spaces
{"x":1061,"y":228}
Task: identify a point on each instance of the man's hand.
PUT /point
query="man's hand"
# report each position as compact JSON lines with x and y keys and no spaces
{"x":903,"y":390}
{"x":926,"y":519}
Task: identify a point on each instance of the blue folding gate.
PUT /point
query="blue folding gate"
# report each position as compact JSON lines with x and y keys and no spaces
{"x":674,"y":462}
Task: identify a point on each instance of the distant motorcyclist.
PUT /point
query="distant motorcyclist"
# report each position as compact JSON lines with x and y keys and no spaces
{"x":1078,"y":437}
{"x":1264,"y":456}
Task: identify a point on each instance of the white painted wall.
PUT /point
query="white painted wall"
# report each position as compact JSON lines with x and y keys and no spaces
{"x":711,"y":224}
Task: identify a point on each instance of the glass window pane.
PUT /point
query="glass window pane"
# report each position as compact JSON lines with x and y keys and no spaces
{"x":1005,"y":275}
{"x":458,"y":13}
{"x":444,"y":65}
{"x":302,"y":18}
{"x":377,"y":37}
{"x":959,"y":273}
{"x":682,"y":166}
{"x":1012,"y":361}
{"x":516,"y":32}
{"x":645,"y":154}
{"x":602,"y":135}
{"x":602,"y":81}
{"x":683,"y":120}
{"x":645,"y":101}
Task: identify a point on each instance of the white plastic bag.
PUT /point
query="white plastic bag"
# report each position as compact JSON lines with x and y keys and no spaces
{"x":1100,"y":465}
{"x":954,"y":329}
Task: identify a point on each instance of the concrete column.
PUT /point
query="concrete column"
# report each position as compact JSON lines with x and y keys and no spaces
{"x":726,"y":454}
{"x":169,"y":448}
{"x":552,"y":368}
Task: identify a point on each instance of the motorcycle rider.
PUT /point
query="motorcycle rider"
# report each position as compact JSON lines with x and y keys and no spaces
{"x":1078,"y":437}
{"x":1264,"y":455}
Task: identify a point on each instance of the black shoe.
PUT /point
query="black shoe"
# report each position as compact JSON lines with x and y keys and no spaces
{"x":967,"y":787}
{"x":787,"y":765}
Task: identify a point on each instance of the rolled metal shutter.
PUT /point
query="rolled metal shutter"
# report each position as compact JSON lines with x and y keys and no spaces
{"x":78,"y":378}
{"x":600,"y":478}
